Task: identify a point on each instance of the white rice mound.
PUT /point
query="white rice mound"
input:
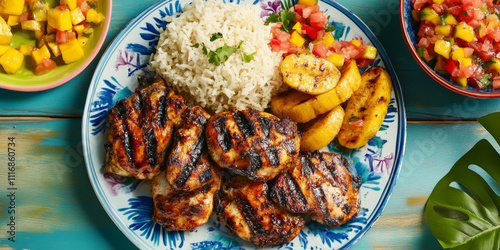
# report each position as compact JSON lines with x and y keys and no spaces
{"x":232,"y":84}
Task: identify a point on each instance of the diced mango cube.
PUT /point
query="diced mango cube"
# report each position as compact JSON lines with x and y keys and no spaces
{"x":449,"y":19}
{"x":4,"y":48}
{"x":5,"y":33}
{"x":77,"y":16}
{"x":39,"y":54}
{"x":26,"y":49}
{"x":50,"y":29}
{"x":71,"y":51}
{"x":78,"y":29}
{"x":438,"y":1}
{"x":443,"y":30}
{"x":430,"y":15}
{"x":50,"y":38}
{"x":82,"y":41}
{"x":70,"y":3}
{"x":31,"y":25}
{"x":54,"y":48}
{"x":11,"y":60}
{"x":465,"y":62}
{"x":336,"y":59}
{"x":370,"y":52}
{"x":40,"y":33}
{"x":60,"y":19}
{"x":457,"y":52}
{"x":297,"y":39}
{"x":328,"y":39}
{"x":495,"y":64}
{"x":12,"y":7}
{"x":465,"y":32}
{"x":13,"y":20}
{"x":443,"y":47}
{"x":94,"y":17}
{"x":298,"y":27}
{"x":462,"y":81}
{"x":40,"y":14}
{"x":356,"y":42}
{"x":308,"y":2}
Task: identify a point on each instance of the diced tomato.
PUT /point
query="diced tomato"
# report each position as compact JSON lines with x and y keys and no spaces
{"x":362,"y":62}
{"x":79,"y":2}
{"x":455,"y":10}
{"x":419,"y":4}
{"x":467,"y":14}
{"x":426,"y":29}
{"x":310,"y":10}
{"x":320,"y":50}
{"x":466,"y":72}
{"x":299,"y":8}
{"x":472,"y":3}
{"x":26,"y":16}
{"x":350,"y":52}
{"x":299,"y":18}
{"x":275,"y":41}
{"x":478,"y":14}
{"x":64,"y":36}
{"x":489,"y":3}
{"x":318,"y":20}
{"x":85,"y":7}
{"x":336,"y":46}
{"x":425,"y":42}
{"x":310,"y":31}
{"x":436,"y":38}
{"x":496,"y":82}
{"x":321,"y":34}
{"x":44,"y":67}
{"x":474,"y":23}
{"x":468,"y":52}
{"x":495,"y":34}
{"x":357,"y":124}
{"x":451,"y":66}
{"x":484,"y":55}
{"x":439,"y":8}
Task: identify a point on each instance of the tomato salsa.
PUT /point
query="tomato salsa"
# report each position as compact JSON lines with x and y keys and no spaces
{"x":304,"y":28}
{"x":462,"y":37}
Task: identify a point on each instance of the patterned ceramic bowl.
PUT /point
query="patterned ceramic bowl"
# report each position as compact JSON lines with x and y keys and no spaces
{"x":128,"y":201}
{"x":410,"y":29}
{"x":26,"y":80}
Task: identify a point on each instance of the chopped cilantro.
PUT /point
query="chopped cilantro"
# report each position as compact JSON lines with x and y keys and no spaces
{"x":484,"y":82}
{"x":353,"y":119}
{"x":443,"y":23}
{"x":215,"y":36}
{"x":330,"y":28}
{"x":498,"y":14}
{"x":465,"y":13}
{"x":487,"y":64}
{"x":205,"y":51}
{"x":420,"y":52}
{"x":286,"y":17}
{"x":196,"y":45}
{"x":247,"y":57}
{"x":477,"y":27}
{"x":495,"y":1}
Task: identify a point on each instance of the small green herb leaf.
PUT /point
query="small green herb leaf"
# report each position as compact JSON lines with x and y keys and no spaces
{"x":196,"y":45}
{"x":420,"y":52}
{"x":287,"y":17}
{"x":353,"y":119}
{"x":272,"y":18}
{"x":465,"y":13}
{"x":215,"y":36}
{"x":247,"y":57}
{"x":330,"y":28}
{"x":204,"y":49}
{"x":443,"y":23}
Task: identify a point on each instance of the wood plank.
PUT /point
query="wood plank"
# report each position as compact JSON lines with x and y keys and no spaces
{"x":424,"y":99}
{"x":55,"y":204}
{"x":56,"y":200}
{"x":69,"y":99}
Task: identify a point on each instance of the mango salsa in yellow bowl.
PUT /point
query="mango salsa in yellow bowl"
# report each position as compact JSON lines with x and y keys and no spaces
{"x":45,"y":43}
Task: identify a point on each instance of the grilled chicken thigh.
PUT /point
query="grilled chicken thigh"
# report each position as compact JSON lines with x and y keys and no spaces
{"x":252,"y":143}
{"x":244,"y":208}
{"x":320,"y":184}
{"x":189,"y":166}
{"x":139,"y":130}
{"x":184,"y":211}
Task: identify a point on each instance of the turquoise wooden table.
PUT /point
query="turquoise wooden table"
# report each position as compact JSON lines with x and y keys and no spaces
{"x":56,"y":207}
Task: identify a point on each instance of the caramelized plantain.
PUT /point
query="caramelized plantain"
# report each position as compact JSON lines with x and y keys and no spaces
{"x":366,"y":109}
{"x":309,"y":74}
{"x":319,"y":132}
{"x":302,"y":107}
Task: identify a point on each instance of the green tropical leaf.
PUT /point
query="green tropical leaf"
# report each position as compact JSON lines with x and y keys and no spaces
{"x":463,"y":209}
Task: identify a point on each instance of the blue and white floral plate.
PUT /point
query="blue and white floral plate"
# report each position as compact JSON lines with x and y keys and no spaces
{"x":128,"y":201}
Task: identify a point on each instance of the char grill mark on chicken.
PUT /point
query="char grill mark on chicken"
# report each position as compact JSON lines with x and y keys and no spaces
{"x":244,"y":208}
{"x":254,"y":144}
{"x":179,"y":210}
{"x":319,"y":184}
{"x":139,"y":130}
{"x":189,"y":166}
